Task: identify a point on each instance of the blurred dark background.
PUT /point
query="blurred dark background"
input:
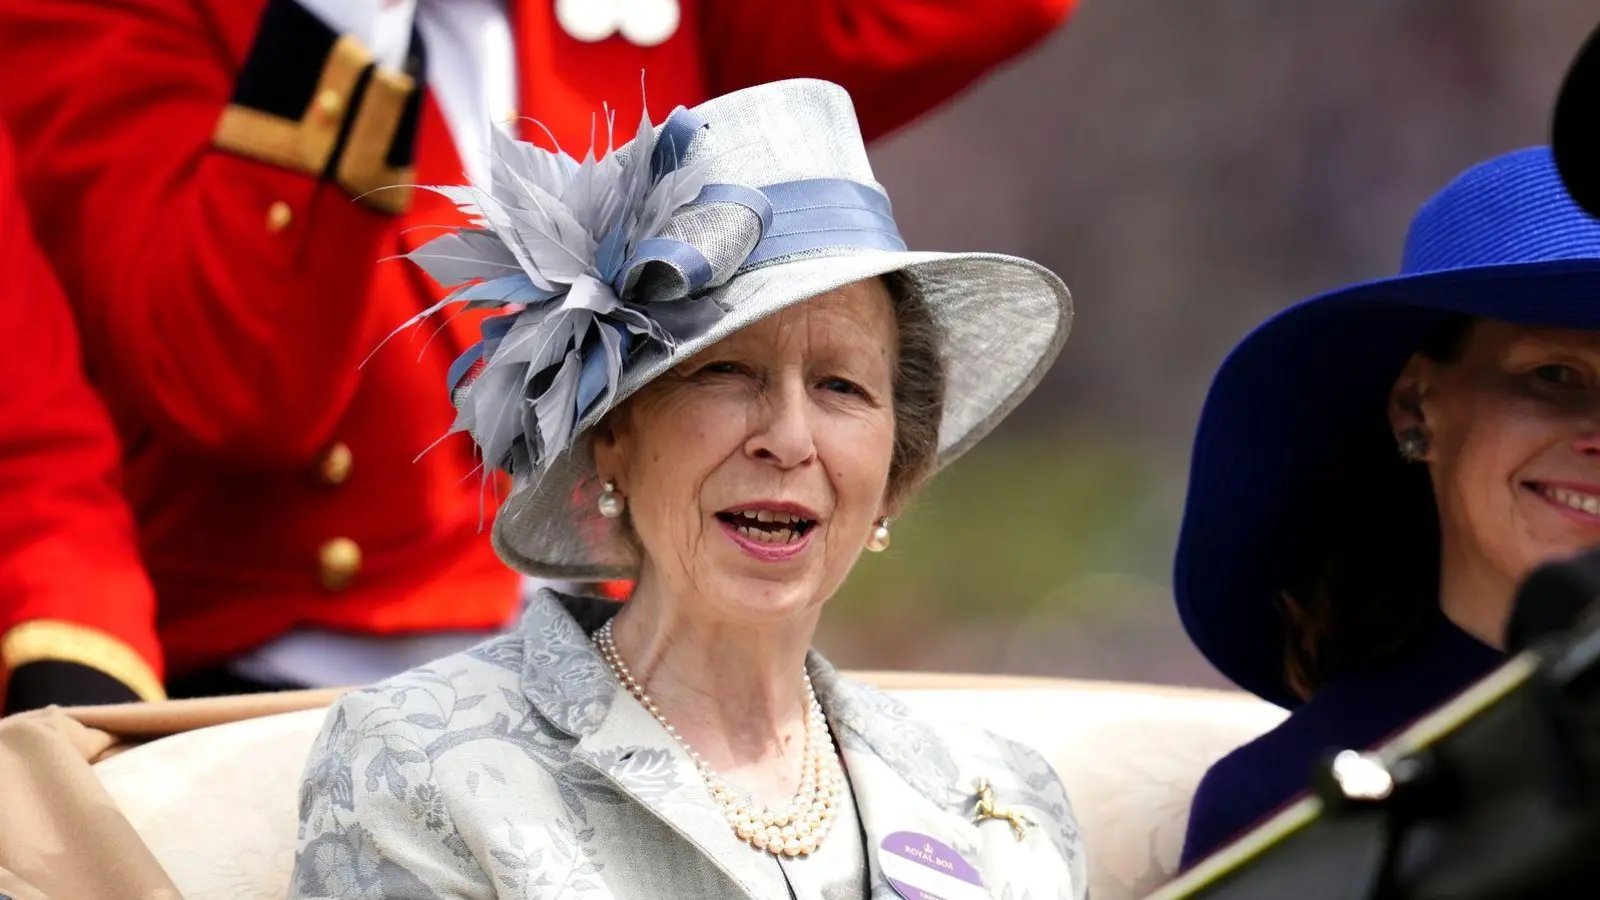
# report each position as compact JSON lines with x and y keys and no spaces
{"x":1189,"y":168}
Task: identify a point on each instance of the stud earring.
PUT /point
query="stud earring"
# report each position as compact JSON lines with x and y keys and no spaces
{"x":878,"y":541}
{"x":611,"y":503}
{"x":1414,"y":444}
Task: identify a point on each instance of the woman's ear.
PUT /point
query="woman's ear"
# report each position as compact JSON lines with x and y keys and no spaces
{"x":608,"y":447}
{"x":1405,"y":398}
{"x":892,"y":506}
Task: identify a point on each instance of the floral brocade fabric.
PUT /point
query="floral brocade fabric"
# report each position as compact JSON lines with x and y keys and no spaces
{"x":519,"y":769}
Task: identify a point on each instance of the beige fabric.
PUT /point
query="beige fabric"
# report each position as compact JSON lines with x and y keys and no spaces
{"x":133,"y":723}
{"x":1129,"y":755}
{"x":223,"y":830}
{"x":53,"y":808}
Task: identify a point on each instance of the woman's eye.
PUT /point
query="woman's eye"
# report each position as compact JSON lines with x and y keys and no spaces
{"x":841,"y":386}
{"x":721,"y":368}
{"x":1558,"y":375}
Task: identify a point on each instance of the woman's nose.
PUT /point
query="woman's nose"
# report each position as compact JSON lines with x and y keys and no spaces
{"x":1587,"y":441}
{"x":1586,"y":422}
{"x":783,"y":433}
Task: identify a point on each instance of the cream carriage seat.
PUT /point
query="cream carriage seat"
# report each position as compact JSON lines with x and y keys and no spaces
{"x":218,"y":805}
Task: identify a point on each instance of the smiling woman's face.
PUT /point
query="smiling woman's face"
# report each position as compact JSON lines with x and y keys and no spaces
{"x":755,"y":471}
{"x":1514,"y":428}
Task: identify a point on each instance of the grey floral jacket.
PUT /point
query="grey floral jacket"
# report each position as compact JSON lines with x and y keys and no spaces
{"x":519,"y":769}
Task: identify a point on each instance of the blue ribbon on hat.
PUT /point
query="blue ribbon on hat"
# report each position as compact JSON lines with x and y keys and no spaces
{"x":794,"y":217}
{"x":819,"y":213}
{"x":678,"y":134}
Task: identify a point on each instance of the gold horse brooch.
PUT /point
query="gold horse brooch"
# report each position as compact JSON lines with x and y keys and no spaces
{"x":988,"y":810}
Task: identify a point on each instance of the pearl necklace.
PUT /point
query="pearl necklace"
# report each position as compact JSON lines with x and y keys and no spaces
{"x":795,"y":830}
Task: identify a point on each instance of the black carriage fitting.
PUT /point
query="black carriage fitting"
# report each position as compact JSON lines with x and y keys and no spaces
{"x":1374,"y":829}
{"x":1501,"y":806}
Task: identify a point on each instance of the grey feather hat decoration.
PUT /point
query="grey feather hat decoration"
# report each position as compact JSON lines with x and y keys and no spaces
{"x":613,"y":269}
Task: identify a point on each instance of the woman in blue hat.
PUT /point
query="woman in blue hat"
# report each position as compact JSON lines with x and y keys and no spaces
{"x":1377,"y":467}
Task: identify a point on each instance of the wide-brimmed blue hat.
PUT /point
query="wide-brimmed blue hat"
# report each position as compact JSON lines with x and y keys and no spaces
{"x":1502,"y":241}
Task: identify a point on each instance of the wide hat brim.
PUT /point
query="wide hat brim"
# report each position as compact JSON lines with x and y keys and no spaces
{"x":1286,"y":406}
{"x":1003,"y":321}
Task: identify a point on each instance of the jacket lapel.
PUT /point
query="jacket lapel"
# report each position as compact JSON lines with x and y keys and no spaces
{"x":633,"y":752}
{"x":907,"y":789}
{"x":567,"y":680}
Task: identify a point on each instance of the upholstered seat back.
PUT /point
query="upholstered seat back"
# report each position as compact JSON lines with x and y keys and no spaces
{"x":219,"y":805}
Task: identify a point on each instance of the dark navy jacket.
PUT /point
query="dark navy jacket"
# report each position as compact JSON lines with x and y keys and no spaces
{"x":1354,"y":711}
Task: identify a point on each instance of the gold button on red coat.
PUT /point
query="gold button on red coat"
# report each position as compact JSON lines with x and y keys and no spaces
{"x":336,"y":464}
{"x":340,"y":560}
{"x":279,"y":215}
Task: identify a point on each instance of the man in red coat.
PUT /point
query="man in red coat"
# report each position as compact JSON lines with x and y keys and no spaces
{"x":218,"y":182}
{"x":68,"y":553}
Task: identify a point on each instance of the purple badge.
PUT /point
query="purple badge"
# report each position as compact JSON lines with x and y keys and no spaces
{"x":921,"y":868}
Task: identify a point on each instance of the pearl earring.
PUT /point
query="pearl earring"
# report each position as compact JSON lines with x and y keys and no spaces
{"x":611,"y":503}
{"x":1414,"y":444}
{"x":878,"y":541}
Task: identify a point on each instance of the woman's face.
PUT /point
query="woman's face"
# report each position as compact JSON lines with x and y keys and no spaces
{"x":755,"y":471}
{"x":1514,"y":429}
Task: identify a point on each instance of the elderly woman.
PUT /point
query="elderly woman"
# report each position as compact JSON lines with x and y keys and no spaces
{"x":723,"y":376}
{"x":1377,"y":468}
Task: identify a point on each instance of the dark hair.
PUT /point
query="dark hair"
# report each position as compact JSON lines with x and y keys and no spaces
{"x":919,"y":385}
{"x":1363,"y":577}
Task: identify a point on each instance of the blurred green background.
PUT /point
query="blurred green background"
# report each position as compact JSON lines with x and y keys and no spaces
{"x":1042,"y":553}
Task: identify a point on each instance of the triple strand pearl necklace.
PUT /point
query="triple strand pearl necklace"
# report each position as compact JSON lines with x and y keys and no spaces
{"x":795,"y":830}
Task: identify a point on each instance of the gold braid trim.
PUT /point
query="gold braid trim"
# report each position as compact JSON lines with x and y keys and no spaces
{"x":364,"y":169}
{"x":307,"y":144}
{"x":52,"y":639}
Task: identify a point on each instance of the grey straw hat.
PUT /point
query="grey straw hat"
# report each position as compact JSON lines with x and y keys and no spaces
{"x":613,"y":270}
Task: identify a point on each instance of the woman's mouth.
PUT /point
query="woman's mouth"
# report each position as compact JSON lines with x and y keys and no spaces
{"x":1583,"y":503}
{"x":768,"y":534}
{"x":767,"y":526}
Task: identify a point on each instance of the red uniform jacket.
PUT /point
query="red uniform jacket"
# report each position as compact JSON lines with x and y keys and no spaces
{"x":191,"y":165}
{"x":67,"y":544}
